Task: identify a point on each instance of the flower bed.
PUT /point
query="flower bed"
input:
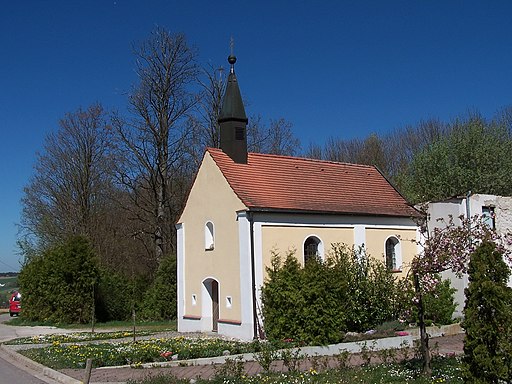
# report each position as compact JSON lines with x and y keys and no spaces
{"x":59,"y":356}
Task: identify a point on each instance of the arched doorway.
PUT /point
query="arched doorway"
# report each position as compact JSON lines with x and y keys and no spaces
{"x":212,"y":287}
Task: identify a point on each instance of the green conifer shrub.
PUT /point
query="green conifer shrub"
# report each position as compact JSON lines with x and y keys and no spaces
{"x":320,"y":302}
{"x":487,"y":318}
{"x":113,"y":297}
{"x":282,"y":299}
{"x":159,"y":301}
{"x":57,"y":285}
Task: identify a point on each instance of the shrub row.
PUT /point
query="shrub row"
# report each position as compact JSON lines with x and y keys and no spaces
{"x":65,"y":284}
{"x":349,"y":291}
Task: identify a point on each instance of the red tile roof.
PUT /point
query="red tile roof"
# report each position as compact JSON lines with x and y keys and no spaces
{"x":274,"y":183}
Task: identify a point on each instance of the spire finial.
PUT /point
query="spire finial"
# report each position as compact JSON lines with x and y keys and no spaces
{"x":232,"y":57}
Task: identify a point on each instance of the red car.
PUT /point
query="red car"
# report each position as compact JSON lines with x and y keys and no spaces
{"x":15,"y":304}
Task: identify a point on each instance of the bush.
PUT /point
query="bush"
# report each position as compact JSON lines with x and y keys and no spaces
{"x":373,"y":291}
{"x":282,"y":299}
{"x":159,"y":302}
{"x":439,"y":304}
{"x":317,"y":304}
{"x":114,"y":297}
{"x":487,"y":311}
{"x":57,"y":285}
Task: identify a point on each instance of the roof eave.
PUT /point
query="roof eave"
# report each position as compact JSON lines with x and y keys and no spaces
{"x":331,"y":213}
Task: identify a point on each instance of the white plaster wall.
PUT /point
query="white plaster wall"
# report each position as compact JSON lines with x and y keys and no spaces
{"x":442,"y":210}
{"x":246,"y":329}
{"x":457,"y":207}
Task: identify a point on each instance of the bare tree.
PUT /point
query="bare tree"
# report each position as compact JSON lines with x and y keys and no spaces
{"x":151,"y":143}
{"x":402,"y":144}
{"x":256,"y":135}
{"x":314,"y":151}
{"x":204,"y":123}
{"x":277,"y":138}
{"x":337,"y":149}
{"x":67,"y":192}
{"x":391,"y":153}
{"x":281,"y":140}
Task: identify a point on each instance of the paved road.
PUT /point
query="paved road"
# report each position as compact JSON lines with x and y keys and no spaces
{"x":10,"y":374}
{"x":14,"y":372}
{"x":8,"y":332}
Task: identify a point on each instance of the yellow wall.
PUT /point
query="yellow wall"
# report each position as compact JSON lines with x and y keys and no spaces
{"x":282,"y":239}
{"x":212,"y":199}
{"x":376,"y":239}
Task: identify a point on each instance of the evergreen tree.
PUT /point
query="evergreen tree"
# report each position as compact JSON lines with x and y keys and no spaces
{"x":58,"y":284}
{"x":487,"y":345}
{"x":160,"y":298}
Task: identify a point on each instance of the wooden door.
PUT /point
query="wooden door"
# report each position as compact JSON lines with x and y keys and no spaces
{"x":215,"y":305}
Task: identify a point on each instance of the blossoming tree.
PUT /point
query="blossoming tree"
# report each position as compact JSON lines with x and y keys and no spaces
{"x":448,"y":247}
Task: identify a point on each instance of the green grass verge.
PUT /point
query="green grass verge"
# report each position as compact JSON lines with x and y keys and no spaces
{"x":77,"y":337}
{"x":156,"y":326}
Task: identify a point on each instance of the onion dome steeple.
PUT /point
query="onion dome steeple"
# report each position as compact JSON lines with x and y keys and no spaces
{"x":232,"y":119}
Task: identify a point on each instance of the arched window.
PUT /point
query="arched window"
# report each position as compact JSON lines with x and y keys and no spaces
{"x":209,"y":238}
{"x":313,"y":248}
{"x":393,"y":257}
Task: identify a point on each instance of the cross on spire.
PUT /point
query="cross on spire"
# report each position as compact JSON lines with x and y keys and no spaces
{"x":232,"y":57}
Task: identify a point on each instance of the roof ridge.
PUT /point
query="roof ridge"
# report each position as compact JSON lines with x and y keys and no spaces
{"x":306,"y":159}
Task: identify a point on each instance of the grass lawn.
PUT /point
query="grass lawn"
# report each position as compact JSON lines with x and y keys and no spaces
{"x":153,"y":326}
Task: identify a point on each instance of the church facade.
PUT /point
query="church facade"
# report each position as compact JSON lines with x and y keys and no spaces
{"x":243,"y":207}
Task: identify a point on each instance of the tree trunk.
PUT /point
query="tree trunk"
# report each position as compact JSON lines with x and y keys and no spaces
{"x":424,"y":348}
{"x":161,"y":197}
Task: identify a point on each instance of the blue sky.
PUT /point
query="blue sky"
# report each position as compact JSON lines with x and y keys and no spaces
{"x":332,"y":68}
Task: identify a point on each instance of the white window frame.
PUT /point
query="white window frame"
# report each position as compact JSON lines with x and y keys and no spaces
{"x":489,"y":216}
{"x":397,"y":266}
{"x":209,"y":236}
{"x":320,"y":247}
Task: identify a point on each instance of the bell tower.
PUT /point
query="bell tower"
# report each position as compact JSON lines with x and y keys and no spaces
{"x":232,"y":119}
